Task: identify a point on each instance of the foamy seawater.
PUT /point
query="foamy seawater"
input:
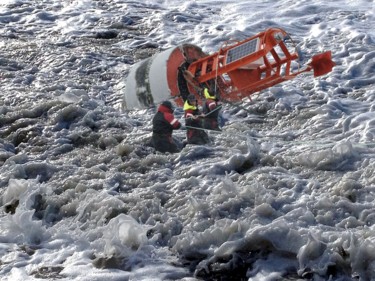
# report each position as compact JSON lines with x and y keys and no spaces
{"x":284,"y":192}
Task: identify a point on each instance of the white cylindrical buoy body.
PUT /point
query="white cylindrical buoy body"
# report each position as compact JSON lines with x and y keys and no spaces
{"x":159,"y":77}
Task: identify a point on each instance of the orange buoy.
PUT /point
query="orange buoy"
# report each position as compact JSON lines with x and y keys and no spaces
{"x":235,"y":72}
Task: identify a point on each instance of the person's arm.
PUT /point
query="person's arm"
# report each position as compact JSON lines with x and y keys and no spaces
{"x":172,"y":121}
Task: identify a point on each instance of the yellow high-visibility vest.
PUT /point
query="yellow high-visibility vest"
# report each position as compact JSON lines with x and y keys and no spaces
{"x":207,"y":94}
{"x":188,"y":106}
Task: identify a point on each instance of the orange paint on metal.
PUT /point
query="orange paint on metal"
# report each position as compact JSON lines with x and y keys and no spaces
{"x":174,"y":61}
{"x":184,"y":54}
{"x":322,"y":63}
{"x":254,"y":64}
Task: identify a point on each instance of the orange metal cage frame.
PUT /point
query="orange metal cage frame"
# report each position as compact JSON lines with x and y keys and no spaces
{"x":251,"y":65}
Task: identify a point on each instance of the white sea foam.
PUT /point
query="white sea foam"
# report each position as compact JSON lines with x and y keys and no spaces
{"x":285,"y":191}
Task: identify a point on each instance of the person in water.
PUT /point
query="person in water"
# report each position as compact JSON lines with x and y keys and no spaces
{"x":211,"y":110}
{"x":163,"y":124}
{"x":195,"y":133}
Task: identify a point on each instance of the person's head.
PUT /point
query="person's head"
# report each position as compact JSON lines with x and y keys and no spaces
{"x":192,"y":99}
{"x":190,"y":103}
{"x":168,"y":105}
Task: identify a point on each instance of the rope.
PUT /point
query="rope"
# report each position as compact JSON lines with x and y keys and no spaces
{"x":217,"y":67}
{"x":273,"y":139}
{"x":212,"y":111}
{"x":203,"y":129}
